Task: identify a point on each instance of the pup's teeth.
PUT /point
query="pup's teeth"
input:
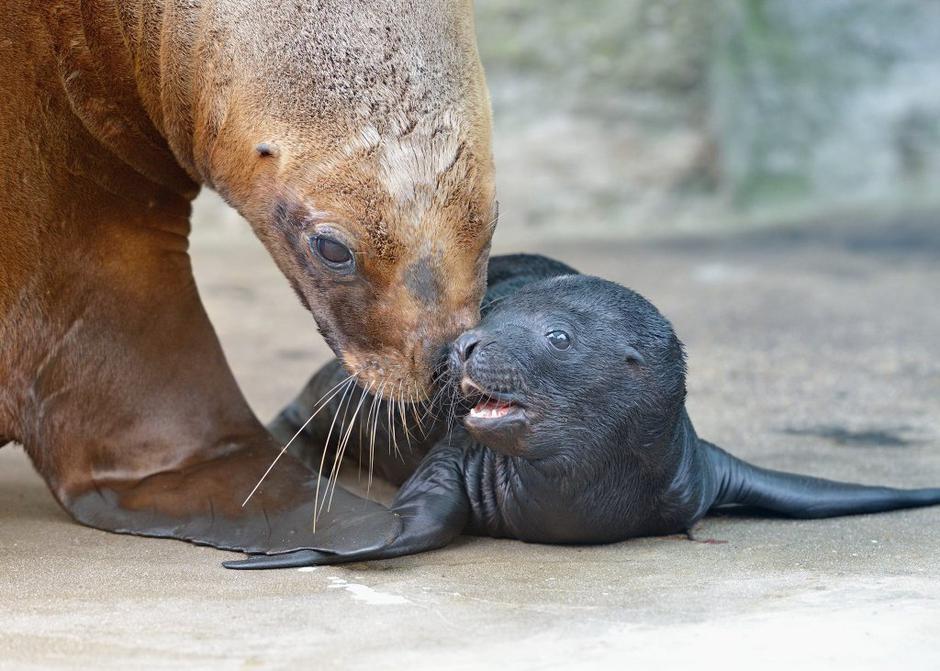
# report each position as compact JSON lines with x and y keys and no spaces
{"x":490,"y":411}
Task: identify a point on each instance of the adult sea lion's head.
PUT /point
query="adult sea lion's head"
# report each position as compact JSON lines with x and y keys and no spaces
{"x":355,"y":138}
{"x":569,"y":366}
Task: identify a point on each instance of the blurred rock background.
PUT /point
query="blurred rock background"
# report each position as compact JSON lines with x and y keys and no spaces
{"x":642,"y":115}
{"x":639,"y":117}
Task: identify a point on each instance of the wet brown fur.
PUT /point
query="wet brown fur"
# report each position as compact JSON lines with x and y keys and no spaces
{"x":369,"y":117}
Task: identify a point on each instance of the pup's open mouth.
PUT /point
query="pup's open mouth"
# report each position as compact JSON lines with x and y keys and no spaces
{"x":492,"y":409}
{"x":488,"y":409}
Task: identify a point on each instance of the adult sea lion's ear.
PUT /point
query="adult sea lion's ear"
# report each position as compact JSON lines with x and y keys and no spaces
{"x":633,"y":357}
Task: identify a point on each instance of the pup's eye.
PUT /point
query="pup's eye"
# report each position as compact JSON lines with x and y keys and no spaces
{"x":334,"y":253}
{"x":559,"y":339}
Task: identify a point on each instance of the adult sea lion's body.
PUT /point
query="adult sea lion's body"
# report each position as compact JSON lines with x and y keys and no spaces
{"x":353,"y":136}
{"x":576,"y":433}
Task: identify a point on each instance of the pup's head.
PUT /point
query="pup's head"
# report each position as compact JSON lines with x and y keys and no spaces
{"x":567,"y":363}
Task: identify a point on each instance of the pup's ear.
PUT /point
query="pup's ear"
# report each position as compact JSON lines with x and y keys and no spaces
{"x":633,"y":357}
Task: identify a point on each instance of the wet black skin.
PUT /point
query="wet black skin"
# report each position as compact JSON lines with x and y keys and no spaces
{"x":598,"y":448}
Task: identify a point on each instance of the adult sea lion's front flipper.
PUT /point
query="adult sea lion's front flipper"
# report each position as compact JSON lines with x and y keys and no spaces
{"x":200,"y":503}
{"x":432,"y":507}
{"x":134,"y":419}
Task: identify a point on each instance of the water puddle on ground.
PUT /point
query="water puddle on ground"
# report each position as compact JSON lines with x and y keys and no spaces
{"x":367,"y":594}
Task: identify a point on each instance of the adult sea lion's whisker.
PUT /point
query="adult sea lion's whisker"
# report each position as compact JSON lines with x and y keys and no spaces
{"x":334,"y":390}
{"x":375,"y":428}
{"x":359,"y":455}
{"x":391,"y":426}
{"x":428,"y":411}
{"x":492,"y":225}
{"x":349,"y":402}
{"x":452,"y":414}
{"x":338,"y":457}
{"x":413,"y":402}
{"x":365,"y":423}
{"x":431,"y":407}
{"x":404,"y":415}
{"x":371,"y":423}
{"x":326,"y":444}
{"x":343,"y":429}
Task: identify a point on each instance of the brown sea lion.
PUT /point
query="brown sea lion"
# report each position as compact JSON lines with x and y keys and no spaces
{"x":355,"y":138}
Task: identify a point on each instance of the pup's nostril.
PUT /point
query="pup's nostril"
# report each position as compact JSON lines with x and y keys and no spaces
{"x":465,"y":344}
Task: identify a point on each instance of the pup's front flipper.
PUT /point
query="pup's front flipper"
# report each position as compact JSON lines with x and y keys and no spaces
{"x":432,"y":507}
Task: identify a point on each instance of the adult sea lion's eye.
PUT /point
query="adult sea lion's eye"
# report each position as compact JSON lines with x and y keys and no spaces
{"x":559,"y":339}
{"x":333,"y":252}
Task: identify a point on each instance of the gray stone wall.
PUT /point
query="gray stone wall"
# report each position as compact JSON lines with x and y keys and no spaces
{"x":633,"y":116}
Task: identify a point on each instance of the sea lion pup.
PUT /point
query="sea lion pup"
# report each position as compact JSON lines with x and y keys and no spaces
{"x":577,"y":433}
{"x":355,"y":139}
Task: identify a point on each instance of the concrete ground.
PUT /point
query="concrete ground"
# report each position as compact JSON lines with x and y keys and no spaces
{"x":815,"y":350}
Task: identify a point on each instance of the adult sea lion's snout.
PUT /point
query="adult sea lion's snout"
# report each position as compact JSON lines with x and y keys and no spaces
{"x":389,"y":279}
{"x":396,"y":353}
{"x":387,"y":327}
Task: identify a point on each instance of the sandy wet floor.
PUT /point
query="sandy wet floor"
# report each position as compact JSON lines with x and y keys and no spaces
{"x":816,"y":350}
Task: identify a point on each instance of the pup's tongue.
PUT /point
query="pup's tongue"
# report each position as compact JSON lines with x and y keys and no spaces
{"x":491,"y":409}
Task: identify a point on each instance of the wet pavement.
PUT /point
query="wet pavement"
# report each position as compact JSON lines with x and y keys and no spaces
{"x":814,"y":349}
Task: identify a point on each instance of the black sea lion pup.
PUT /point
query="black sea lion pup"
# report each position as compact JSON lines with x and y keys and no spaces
{"x":578,"y":433}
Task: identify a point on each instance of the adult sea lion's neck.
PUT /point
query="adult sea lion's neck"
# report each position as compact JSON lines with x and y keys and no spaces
{"x":168,"y":49}
{"x":125,"y":68}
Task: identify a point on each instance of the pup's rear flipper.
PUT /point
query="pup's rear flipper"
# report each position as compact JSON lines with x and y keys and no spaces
{"x":802,"y":496}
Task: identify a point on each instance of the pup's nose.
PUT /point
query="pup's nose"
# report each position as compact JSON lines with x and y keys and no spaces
{"x":464,"y":345}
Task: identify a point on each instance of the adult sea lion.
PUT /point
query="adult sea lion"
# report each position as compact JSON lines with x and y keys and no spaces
{"x":576,"y":433}
{"x":355,"y":138}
